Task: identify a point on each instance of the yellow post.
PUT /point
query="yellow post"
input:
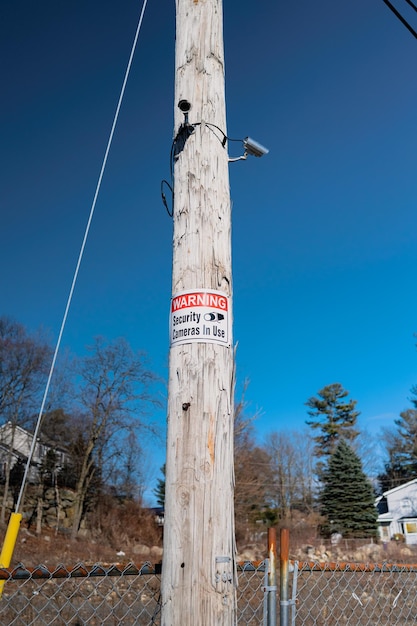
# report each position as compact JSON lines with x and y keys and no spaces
{"x":9,"y":543}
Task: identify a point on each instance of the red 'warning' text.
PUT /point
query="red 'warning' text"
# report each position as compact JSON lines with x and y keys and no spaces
{"x":207,"y":299}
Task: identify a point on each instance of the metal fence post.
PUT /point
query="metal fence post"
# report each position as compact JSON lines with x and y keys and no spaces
{"x":265,"y":590}
{"x":272,"y":577}
{"x":284,"y":576}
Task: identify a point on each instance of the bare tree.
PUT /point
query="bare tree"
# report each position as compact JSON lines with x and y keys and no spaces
{"x":126,"y":473}
{"x":23,"y":364}
{"x":291,"y":454}
{"x":114,"y":393}
{"x":370,"y":451}
{"x":253,"y":474}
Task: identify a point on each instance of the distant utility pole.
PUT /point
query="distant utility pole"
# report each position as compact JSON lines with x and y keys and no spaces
{"x":198,"y":575}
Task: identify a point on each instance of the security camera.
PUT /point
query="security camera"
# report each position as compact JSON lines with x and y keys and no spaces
{"x":254,"y":148}
{"x":184,"y":106}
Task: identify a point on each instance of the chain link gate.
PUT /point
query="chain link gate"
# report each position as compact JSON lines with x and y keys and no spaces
{"x":354,"y":593}
{"x":344,"y":593}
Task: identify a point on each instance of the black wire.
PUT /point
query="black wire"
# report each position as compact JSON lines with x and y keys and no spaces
{"x":172,"y":155}
{"x":170,"y":186}
{"x":171,"y":163}
{"x":411,"y":4}
{"x":225,"y":137}
{"x":400,"y":17}
{"x":170,"y":211}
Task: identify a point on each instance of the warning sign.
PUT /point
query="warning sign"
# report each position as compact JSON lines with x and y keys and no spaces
{"x":201,"y":316}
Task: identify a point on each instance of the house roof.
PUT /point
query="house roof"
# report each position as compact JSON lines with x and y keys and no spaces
{"x":42,"y":439}
{"x":385,"y":517}
{"x":390,"y":491}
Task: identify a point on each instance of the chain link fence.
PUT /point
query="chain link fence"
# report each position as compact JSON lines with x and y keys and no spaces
{"x":344,"y":593}
{"x":111,"y":595}
{"x":311,"y":593}
{"x":352,"y":594}
{"x":81,"y":595}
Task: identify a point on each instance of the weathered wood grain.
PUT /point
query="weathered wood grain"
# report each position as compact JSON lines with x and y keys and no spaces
{"x":198,"y":581}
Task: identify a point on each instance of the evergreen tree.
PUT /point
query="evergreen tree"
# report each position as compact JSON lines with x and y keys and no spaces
{"x":334,"y":417}
{"x":159,"y":490}
{"x":347,"y":499}
{"x":16,"y":477}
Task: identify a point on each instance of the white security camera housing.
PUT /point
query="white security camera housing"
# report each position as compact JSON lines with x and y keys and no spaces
{"x":254,"y":148}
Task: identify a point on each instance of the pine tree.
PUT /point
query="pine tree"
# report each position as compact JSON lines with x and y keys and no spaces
{"x":159,"y":490}
{"x":333,"y":416}
{"x":347,"y":499}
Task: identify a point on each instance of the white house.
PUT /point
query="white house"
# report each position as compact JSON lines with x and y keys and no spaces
{"x":15,"y":443}
{"x":398,"y":512}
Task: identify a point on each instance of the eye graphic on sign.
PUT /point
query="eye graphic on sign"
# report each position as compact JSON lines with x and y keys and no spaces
{"x":211,"y":317}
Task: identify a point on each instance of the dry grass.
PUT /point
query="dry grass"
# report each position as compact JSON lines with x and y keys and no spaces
{"x":119,"y":532}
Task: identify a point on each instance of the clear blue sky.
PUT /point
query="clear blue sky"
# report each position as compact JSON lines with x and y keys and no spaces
{"x":324,"y":227}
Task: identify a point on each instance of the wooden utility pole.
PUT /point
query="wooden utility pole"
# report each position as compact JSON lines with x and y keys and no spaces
{"x":198,"y":574}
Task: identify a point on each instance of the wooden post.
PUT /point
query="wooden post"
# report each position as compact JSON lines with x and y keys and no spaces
{"x":198,"y":573}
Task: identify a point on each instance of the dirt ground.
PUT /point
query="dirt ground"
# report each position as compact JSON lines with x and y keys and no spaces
{"x":50,"y":549}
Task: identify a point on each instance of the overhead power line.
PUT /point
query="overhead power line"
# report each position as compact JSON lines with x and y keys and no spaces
{"x":400,"y":17}
{"x":80,"y":256}
{"x":411,"y":4}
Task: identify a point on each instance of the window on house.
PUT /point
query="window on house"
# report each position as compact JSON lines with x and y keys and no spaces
{"x":410,"y":527}
{"x":385,"y":534}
